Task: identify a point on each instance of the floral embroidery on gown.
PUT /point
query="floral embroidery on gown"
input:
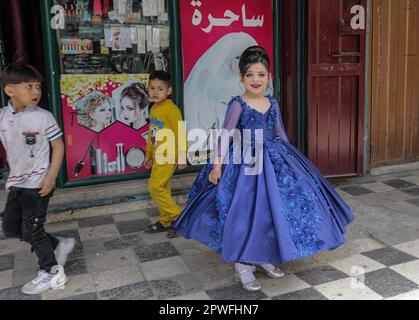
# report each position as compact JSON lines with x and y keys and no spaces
{"x":286,"y":212}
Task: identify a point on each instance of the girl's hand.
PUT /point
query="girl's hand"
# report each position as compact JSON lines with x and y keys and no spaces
{"x":215,"y":175}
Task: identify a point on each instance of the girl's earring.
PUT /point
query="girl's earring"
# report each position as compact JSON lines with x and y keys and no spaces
{"x":242,"y":89}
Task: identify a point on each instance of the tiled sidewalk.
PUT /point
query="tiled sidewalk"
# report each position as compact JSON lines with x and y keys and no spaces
{"x":115,"y":259}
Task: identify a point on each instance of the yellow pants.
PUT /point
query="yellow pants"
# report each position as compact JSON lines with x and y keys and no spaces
{"x":160,"y":191}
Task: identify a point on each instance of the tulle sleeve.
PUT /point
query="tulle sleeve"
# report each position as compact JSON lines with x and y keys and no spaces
{"x":279,"y":126}
{"x":231,"y":121}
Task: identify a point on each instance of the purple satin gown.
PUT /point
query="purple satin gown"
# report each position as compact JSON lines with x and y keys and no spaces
{"x":285,"y":212}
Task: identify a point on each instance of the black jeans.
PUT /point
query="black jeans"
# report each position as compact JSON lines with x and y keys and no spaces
{"x":24,"y":218}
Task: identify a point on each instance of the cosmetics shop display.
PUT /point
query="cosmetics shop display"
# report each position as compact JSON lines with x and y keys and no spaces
{"x":107,"y":50}
{"x":114,"y":36}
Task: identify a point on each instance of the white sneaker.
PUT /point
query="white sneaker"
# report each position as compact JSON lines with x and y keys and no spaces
{"x":64,"y":248}
{"x":45,"y":281}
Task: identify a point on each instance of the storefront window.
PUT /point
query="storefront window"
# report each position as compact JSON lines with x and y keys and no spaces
{"x":107,"y":50}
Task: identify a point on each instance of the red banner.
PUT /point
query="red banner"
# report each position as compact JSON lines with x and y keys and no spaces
{"x":214,"y":34}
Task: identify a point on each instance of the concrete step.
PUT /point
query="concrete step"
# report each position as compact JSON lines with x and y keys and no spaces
{"x":94,"y":208}
{"x":114,"y":190}
{"x":123,"y":197}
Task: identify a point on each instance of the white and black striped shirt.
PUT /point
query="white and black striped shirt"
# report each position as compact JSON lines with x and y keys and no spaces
{"x":26,"y":137}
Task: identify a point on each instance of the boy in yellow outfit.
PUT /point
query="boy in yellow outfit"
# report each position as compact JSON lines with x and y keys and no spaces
{"x":165,"y":118}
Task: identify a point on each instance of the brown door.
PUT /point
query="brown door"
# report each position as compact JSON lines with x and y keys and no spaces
{"x":336,"y":81}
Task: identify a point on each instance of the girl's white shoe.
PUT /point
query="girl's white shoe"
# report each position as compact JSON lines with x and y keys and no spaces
{"x":271,"y":271}
{"x":244,"y":274}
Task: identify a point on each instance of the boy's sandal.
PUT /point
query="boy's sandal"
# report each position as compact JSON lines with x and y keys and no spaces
{"x":156,"y":227}
{"x":172,"y":234}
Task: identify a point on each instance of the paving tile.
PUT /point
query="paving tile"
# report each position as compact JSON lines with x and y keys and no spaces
{"x":68,"y":234}
{"x":408,"y":270}
{"x":132,"y":226}
{"x":399,"y":183}
{"x":116,"y":244}
{"x":288,"y":283}
{"x":104,"y":231}
{"x":210,"y":270}
{"x":412,"y":178}
{"x":235,"y":292}
{"x":320,"y":275}
{"x":411,"y":295}
{"x":189,"y":247}
{"x":347,"y":289}
{"x":152,"y":238}
{"x":352,"y":265}
{"x":164,"y":268}
{"x":16,"y":294}
{"x":130,"y":216}
{"x":305,"y":294}
{"x":6,"y":262}
{"x":411,"y":248}
{"x":377,"y":187}
{"x":414,"y":201}
{"x":136,"y":291}
{"x":156,"y":251}
{"x":382,"y":198}
{"x":179,"y":285}
{"x":133,"y":239}
{"x":191,"y":297}
{"x":62,"y":226}
{"x":83,"y":297}
{"x":95,"y":221}
{"x":76,"y":286}
{"x":389,"y":256}
{"x":6,"y":279}
{"x":356,"y":190}
{"x":75,"y":267}
{"x":412,"y":191}
{"x":78,"y":251}
{"x":97,"y":246}
{"x":153,"y":212}
{"x":117,"y":278}
{"x":360,"y":245}
{"x":388,"y":283}
{"x":25,"y":268}
{"x":402,"y":206}
{"x":110,"y":260}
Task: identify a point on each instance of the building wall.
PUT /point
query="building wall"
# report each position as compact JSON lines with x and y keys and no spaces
{"x":394,"y":82}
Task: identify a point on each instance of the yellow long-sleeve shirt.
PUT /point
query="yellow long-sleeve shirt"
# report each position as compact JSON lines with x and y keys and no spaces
{"x":167,"y":116}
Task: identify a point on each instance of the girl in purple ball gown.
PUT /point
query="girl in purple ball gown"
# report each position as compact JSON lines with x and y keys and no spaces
{"x":266,"y":204}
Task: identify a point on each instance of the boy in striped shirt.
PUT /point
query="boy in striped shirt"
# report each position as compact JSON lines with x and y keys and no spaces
{"x":27,"y":133}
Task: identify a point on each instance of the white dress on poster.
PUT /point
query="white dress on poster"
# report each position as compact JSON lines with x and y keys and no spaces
{"x":213,"y":81}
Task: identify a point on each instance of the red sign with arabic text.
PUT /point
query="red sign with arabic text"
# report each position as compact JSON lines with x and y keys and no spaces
{"x":204,"y":22}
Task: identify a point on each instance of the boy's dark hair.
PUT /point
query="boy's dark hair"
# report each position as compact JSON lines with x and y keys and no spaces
{"x":16,"y":74}
{"x":162,"y":76}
